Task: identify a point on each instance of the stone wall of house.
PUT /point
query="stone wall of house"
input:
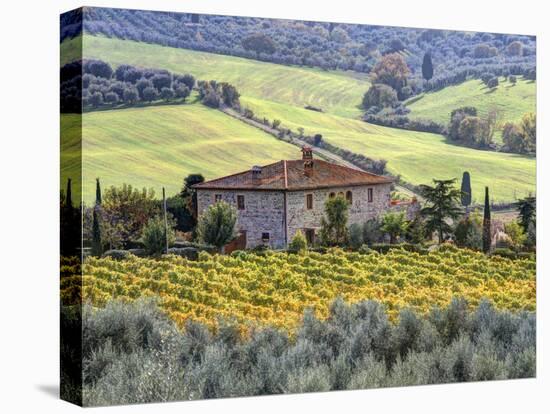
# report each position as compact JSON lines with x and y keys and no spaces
{"x":299,"y":217}
{"x":263,"y":213}
{"x":410,"y":208}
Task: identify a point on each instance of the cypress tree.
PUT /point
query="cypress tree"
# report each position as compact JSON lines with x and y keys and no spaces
{"x":96,"y":235}
{"x":487,"y":223}
{"x":97,"y":192}
{"x":97,"y":247}
{"x":69,"y":196}
{"x":70,"y":224}
{"x":466,"y":188}
{"x":427,"y":66}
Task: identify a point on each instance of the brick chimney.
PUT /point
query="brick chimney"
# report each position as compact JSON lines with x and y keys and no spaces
{"x":256,"y":172}
{"x":307,"y":157}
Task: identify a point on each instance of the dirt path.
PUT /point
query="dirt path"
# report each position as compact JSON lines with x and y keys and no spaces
{"x":322,"y":153}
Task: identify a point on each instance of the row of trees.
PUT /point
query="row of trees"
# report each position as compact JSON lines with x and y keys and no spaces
{"x":445,"y":213}
{"x":93,"y":84}
{"x":132,"y":347}
{"x":324,"y":45}
{"x":217,"y":94}
{"x":469,"y":128}
{"x":125,"y":215}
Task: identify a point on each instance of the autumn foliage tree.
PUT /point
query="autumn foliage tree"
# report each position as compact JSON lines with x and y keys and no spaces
{"x":391,"y":70}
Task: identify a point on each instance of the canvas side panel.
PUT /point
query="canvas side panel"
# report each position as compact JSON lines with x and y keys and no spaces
{"x":71,"y":207}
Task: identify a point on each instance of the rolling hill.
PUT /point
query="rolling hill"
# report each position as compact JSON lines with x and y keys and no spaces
{"x":334,"y":91}
{"x":511,"y":101}
{"x":280,"y":92}
{"x":159,"y":145}
{"x":416,"y":156}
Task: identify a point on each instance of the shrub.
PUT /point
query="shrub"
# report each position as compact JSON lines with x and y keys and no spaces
{"x":372,"y":232}
{"x":111,"y":98}
{"x":150,"y":94}
{"x":182,"y":91}
{"x":355,"y":236}
{"x":334,"y":223}
{"x":167,"y":94}
{"x":486,"y":77}
{"x":156,"y":236}
{"x":116,"y":254}
{"x":216,"y":226}
{"x":468,"y":232}
{"x":493,"y":82}
{"x":298,"y":243}
{"x":130,"y":95}
{"x":516,"y":234}
{"x":190,"y":253}
{"x":380,"y":95}
{"x":394,"y":224}
{"x":504,"y":252}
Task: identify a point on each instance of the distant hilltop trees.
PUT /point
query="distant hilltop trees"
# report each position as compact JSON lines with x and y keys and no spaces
{"x":454,"y":55}
{"x":92,"y":84}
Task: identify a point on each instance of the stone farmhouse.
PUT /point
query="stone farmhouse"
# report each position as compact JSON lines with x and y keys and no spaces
{"x":276,"y":200}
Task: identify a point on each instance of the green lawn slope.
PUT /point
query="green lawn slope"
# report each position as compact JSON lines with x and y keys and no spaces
{"x":159,"y":145}
{"x":511,"y":101}
{"x":333,"y":91}
{"x":416,"y":156}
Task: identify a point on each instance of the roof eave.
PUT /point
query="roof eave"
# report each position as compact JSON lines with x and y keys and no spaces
{"x":289,"y":189}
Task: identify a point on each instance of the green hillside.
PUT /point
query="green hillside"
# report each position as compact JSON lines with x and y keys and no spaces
{"x":511,"y":101}
{"x":280,"y":92}
{"x":416,"y":156}
{"x":335,"y":92}
{"x":158,"y":146}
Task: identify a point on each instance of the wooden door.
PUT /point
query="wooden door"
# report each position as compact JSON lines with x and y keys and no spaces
{"x":238,"y":244}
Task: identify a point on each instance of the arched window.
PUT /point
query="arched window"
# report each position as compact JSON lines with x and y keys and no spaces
{"x":349,"y":197}
{"x":332,"y":195}
{"x":341,"y":194}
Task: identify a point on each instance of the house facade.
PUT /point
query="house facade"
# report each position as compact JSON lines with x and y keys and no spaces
{"x":275,"y":201}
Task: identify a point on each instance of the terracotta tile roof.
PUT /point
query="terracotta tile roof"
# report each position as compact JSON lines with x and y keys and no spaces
{"x":293,"y":175}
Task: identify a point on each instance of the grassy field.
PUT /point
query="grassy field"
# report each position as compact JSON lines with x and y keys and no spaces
{"x":511,"y":101}
{"x":280,"y":92}
{"x":416,"y":156}
{"x":335,"y":92}
{"x":158,"y":146}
